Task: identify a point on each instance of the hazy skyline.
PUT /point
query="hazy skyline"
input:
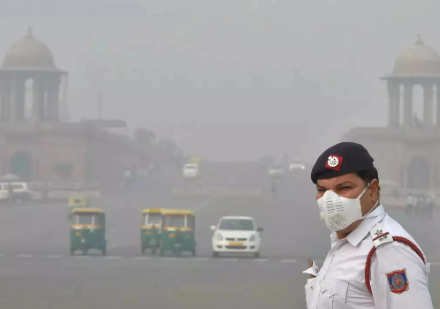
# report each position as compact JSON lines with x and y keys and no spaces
{"x":229,"y":79}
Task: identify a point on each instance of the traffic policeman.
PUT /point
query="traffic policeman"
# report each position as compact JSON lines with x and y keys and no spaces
{"x":373,"y":262}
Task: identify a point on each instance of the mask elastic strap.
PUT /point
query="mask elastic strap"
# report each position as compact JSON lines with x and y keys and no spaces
{"x":363,"y":191}
{"x":371,"y":210}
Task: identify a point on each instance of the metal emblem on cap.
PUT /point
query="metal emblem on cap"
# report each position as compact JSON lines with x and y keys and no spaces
{"x":333,"y":161}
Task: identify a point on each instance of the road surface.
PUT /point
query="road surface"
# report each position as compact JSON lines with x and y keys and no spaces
{"x":37,"y":271}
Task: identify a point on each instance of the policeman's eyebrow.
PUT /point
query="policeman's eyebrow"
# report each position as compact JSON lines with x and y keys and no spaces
{"x":344,"y":183}
{"x":318,"y":187}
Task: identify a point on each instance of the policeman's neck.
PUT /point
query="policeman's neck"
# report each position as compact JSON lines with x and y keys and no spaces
{"x":344,"y":233}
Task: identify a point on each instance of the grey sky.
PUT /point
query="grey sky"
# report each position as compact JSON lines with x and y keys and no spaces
{"x":229,"y":79}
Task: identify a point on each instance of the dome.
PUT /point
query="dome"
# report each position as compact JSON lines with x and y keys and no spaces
{"x":29,"y":53}
{"x":417,"y":60}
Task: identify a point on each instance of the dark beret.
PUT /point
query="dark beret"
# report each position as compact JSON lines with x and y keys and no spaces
{"x":341,"y":159}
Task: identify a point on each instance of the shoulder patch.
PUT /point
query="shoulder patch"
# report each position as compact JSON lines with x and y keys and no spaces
{"x":398,"y":281}
{"x":380,"y":235}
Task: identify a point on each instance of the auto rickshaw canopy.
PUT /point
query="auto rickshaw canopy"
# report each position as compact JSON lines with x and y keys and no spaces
{"x":152,"y":211}
{"x":88,"y":210}
{"x":167,"y":212}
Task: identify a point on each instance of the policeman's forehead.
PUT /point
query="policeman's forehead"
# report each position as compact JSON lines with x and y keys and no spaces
{"x":335,"y":182}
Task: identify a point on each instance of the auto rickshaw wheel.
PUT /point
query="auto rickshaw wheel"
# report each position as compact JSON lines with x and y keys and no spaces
{"x":257,"y":255}
{"x":215,"y":254}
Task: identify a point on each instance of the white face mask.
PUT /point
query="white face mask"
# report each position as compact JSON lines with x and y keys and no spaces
{"x":339,"y":212}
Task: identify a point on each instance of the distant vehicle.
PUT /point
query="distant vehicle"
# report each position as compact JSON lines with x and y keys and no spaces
{"x":236,"y":235}
{"x":191,"y":170}
{"x":297,"y":165}
{"x":20,"y":192}
{"x":276,"y":171}
{"x":196,"y":160}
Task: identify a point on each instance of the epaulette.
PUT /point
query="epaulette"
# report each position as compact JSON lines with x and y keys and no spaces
{"x":381,"y":236}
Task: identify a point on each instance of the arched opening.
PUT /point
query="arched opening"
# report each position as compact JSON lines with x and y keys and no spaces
{"x":419,"y":174}
{"x":21,"y":165}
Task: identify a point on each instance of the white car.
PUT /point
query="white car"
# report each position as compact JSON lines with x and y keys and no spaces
{"x":20,"y":192}
{"x":294,"y":166}
{"x":236,"y":235}
{"x":276,"y":171}
{"x":191,"y":170}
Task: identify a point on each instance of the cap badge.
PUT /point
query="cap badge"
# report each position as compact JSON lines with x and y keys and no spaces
{"x":334,"y":162}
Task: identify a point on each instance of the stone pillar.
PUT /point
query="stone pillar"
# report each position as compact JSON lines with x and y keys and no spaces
{"x":52,"y":100}
{"x":428,"y":107}
{"x":394,"y":100}
{"x":5,"y":102}
{"x":38,"y":100}
{"x":2,"y":94}
{"x":438,"y":104}
{"x":20,"y":103}
{"x":64,"y":115}
{"x":407,"y":104}
{"x":15,"y":98}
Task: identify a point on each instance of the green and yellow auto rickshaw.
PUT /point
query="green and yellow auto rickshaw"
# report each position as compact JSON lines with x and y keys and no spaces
{"x":151,"y":228}
{"x":87,"y":230}
{"x":178,"y":232}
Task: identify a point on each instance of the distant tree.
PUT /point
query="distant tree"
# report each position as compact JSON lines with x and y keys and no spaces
{"x":144,"y":136}
{"x":145,"y":139}
{"x":167,"y":147}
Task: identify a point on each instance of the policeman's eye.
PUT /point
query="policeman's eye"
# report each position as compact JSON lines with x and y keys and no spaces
{"x":345,"y":188}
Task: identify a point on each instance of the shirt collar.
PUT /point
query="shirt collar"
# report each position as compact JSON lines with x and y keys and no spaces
{"x":355,"y":237}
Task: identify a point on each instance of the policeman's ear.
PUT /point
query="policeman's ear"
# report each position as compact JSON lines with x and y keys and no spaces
{"x":374,"y":190}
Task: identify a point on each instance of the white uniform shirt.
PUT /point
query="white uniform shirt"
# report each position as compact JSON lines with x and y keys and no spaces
{"x":340,"y":284}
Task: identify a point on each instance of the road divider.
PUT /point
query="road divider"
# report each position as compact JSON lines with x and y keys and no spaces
{"x":224,"y":191}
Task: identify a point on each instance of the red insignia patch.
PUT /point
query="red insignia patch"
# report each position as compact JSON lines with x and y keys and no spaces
{"x":334,"y":162}
{"x":398,"y":281}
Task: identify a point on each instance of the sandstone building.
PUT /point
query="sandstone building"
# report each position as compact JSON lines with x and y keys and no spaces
{"x":36,"y":143}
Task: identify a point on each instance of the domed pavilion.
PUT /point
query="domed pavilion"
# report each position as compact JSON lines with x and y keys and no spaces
{"x":30,"y":59}
{"x":417,"y":64}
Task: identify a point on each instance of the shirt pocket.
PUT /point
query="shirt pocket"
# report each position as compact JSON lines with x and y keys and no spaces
{"x":334,"y":293}
{"x":310,"y":290}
